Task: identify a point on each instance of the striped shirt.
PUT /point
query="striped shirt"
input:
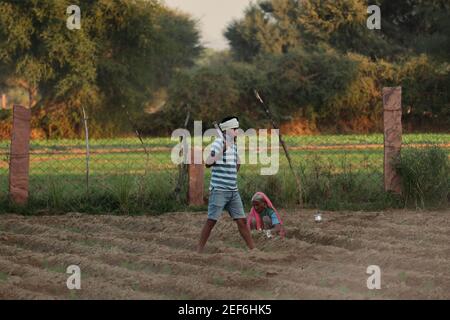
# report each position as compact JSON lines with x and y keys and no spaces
{"x":224,"y":172}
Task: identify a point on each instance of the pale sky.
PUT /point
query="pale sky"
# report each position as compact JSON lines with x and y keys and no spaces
{"x":213,"y":16}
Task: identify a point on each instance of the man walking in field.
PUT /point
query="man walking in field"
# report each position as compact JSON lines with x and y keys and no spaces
{"x":223,"y":188}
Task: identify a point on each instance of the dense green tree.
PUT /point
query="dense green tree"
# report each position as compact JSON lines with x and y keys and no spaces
{"x":319,"y":86}
{"x":275,"y":26}
{"x":268,"y":27}
{"x":426,"y":95}
{"x":38,"y":52}
{"x":311,"y":59}
{"x":418,"y":25}
{"x":123,"y":53}
{"x":389,"y":56}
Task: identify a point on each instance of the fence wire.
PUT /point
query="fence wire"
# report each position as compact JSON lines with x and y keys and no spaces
{"x":340,"y":172}
{"x":4,"y":165}
{"x":127,"y":174}
{"x":425,"y":171}
{"x":135,"y":173}
{"x":335,"y":172}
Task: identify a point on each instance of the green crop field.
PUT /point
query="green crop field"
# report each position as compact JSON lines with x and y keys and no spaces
{"x":293,"y":141}
{"x":337,"y":171}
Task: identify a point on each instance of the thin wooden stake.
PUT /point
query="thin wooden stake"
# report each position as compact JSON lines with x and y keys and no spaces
{"x":183,"y":168}
{"x":86,"y":133}
{"x":283,"y":144}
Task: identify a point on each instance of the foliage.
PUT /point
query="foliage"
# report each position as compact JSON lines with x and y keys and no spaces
{"x":314,"y":62}
{"x":425,"y":177}
{"x":124,"y":51}
{"x":293,"y":41}
{"x":335,"y":92}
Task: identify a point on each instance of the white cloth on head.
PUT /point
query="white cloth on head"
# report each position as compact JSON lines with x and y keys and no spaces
{"x":258,"y":197}
{"x":230,"y":124}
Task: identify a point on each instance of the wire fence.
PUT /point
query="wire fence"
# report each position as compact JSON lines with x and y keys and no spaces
{"x":116,"y":173}
{"x":349,"y":176}
{"x":4,"y":164}
{"x":333,"y":174}
{"x":135,"y":173}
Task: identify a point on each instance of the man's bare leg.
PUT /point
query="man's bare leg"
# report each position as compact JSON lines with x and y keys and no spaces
{"x":206,"y":231}
{"x":245,"y":233}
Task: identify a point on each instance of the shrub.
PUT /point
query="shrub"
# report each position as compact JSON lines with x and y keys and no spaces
{"x":425,"y":177}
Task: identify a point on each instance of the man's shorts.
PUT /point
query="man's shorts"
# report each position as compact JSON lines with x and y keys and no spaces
{"x":225,"y":200}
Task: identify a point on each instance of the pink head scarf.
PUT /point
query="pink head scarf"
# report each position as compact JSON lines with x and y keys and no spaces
{"x":254,"y":215}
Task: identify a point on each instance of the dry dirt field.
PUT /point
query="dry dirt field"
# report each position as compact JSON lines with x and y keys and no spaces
{"x":154,"y":257}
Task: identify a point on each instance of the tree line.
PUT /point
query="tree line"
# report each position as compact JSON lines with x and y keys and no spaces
{"x":122,"y":56}
{"x":319,"y":66}
{"x":315,"y":62}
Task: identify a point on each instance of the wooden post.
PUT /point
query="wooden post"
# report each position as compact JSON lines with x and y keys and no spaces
{"x":196,"y":174}
{"x":392,"y":101}
{"x":19,"y":162}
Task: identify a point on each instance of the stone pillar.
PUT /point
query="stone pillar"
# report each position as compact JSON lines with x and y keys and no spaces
{"x":392,"y":102}
{"x":196,"y":173}
{"x":19,"y":162}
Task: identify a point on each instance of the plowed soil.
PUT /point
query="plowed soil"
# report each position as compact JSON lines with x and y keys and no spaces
{"x":150,"y":257}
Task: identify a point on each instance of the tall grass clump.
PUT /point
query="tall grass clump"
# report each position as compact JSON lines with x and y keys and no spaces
{"x":55,"y":198}
{"x":280,"y":188}
{"x":340,"y":183}
{"x":159,"y":196}
{"x":327,"y":184}
{"x":425,"y":177}
{"x":122,"y":191}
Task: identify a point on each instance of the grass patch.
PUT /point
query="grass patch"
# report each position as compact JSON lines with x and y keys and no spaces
{"x":73,"y":295}
{"x":252,"y":273}
{"x":324,"y":283}
{"x":373,"y":294}
{"x":236,"y":244}
{"x":123,"y":182}
{"x":3,"y":276}
{"x":136,"y":287}
{"x":402,"y":276}
{"x":88,"y":242}
{"x":74,"y":229}
{"x":181,"y":296}
{"x":344,"y":289}
{"x":130,"y":266}
{"x":265,"y":294}
{"x":429,"y":285}
{"x":152,"y":142}
{"x":425,"y":177}
{"x":58,"y":268}
{"x":167,"y":269}
{"x":218,"y":281}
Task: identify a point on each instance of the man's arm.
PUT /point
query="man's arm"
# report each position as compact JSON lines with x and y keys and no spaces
{"x":214,"y":156}
{"x":238,"y":166}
